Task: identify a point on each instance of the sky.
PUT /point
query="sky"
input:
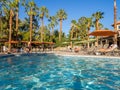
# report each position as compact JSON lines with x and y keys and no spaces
{"x":79,"y":8}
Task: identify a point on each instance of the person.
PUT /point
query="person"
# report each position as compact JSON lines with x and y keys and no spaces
{"x":70,"y":48}
{"x":29,"y":47}
{"x":4,"y":49}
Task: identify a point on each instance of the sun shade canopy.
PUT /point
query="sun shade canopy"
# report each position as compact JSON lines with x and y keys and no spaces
{"x":103,"y":33}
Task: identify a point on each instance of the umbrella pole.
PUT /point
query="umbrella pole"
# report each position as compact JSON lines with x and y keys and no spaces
{"x":97,"y":41}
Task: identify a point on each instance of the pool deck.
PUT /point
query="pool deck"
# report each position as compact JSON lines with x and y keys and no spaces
{"x":83,"y":55}
{"x":62,"y":53}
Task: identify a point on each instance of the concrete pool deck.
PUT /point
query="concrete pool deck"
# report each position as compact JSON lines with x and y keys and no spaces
{"x":61,"y":53}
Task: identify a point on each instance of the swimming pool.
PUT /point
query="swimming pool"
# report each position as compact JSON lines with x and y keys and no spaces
{"x":53,"y":72}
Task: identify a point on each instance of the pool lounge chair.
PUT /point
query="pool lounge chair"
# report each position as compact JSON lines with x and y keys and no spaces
{"x":108,"y":51}
{"x":91,"y":50}
{"x":76,"y":49}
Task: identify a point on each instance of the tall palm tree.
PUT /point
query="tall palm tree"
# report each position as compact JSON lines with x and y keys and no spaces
{"x":11,"y":5}
{"x":5,"y":19}
{"x":43,"y":12}
{"x":61,"y":15}
{"x":73,"y":28}
{"x":89,"y":24}
{"x":97,"y":16}
{"x":1,"y":17}
{"x":0,"y":23}
{"x":83,"y":28}
{"x":16,"y":8}
{"x":31,"y":11}
{"x":10,"y":30}
{"x":52,"y":24}
{"x":115,"y":26}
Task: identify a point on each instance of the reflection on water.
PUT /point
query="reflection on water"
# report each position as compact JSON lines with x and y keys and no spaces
{"x":45,"y":71}
{"x":9,"y":60}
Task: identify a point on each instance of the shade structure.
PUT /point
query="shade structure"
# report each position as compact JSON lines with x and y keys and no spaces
{"x":85,"y":41}
{"x":33,"y":42}
{"x":103,"y":33}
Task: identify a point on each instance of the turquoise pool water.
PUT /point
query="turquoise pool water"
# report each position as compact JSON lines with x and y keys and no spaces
{"x":51,"y":72}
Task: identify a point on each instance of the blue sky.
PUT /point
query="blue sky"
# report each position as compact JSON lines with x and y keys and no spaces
{"x":78,"y":8}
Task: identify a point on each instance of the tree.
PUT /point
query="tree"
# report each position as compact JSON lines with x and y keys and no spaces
{"x":73,"y":28}
{"x":52,"y":24}
{"x":4,"y":18}
{"x":43,"y":12}
{"x":115,"y":21}
{"x":31,"y":11}
{"x":97,"y":16}
{"x":10,"y":6}
{"x":16,"y":9}
{"x":4,"y":21}
{"x":89,"y":24}
{"x":61,"y":15}
{"x":83,"y":28}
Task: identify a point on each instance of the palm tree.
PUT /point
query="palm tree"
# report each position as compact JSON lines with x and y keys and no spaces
{"x":31,"y":11}
{"x":83,"y":28}
{"x":0,"y":23}
{"x":89,"y":24}
{"x":1,"y":18}
{"x":73,"y":28}
{"x":10,"y":28}
{"x":52,"y":24}
{"x":43,"y":12}
{"x":10,"y":24}
{"x":16,"y":8}
{"x":115,"y":26}
{"x":97,"y":16}
{"x":61,"y":15}
{"x":5,"y":8}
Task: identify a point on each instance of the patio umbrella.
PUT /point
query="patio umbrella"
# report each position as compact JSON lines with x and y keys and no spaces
{"x":103,"y":33}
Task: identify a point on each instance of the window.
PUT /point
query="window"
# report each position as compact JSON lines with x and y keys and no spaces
{"x":118,"y":27}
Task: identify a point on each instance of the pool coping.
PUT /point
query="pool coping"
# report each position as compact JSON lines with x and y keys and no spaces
{"x":93,"y":56}
{"x":6,"y":55}
{"x":60,"y":54}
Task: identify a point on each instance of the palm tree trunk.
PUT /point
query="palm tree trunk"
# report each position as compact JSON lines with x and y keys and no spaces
{"x":17,"y":24}
{"x":0,"y":25}
{"x":30,"y":28}
{"x":52,"y":33}
{"x":115,"y":26}
{"x":10,"y":30}
{"x":60,"y":33}
{"x":71,"y":34}
{"x":42,"y":31}
{"x":76,"y":34}
{"x":97,"y":24}
{"x":97,"y":27}
{"x":88,"y":45}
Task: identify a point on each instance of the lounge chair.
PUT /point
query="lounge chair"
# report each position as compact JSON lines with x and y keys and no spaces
{"x":108,"y":51}
{"x":76,"y":49}
{"x":91,"y":50}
